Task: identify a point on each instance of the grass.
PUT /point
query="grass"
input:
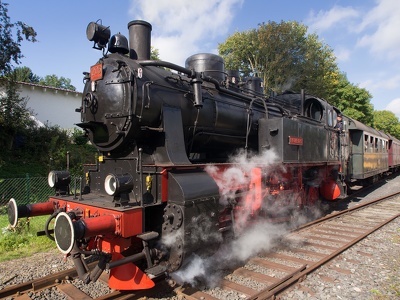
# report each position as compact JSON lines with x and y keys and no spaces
{"x":22,"y":240}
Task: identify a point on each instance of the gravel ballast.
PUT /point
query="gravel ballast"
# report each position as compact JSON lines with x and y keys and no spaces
{"x":369,"y":270}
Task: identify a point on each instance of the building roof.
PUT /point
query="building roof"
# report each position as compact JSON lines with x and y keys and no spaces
{"x":34,"y":85}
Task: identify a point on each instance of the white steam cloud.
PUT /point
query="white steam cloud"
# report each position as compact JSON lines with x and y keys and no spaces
{"x":258,"y":235}
{"x":209,"y":270}
{"x":254,"y":239}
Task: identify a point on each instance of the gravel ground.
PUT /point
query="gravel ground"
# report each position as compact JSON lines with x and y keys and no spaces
{"x":40,"y":265}
{"x":370,"y":270}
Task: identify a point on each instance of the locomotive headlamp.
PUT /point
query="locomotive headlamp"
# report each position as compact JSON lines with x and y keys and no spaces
{"x":118,"y":184}
{"x":59,"y":179}
{"x":99,"y":34}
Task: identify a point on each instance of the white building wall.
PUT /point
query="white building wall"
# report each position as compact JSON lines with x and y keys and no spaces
{"x":52,"y":106}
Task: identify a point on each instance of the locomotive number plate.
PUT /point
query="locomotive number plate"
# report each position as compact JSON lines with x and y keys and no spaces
{"x":295,"y":140}
{"x":96,"y":72}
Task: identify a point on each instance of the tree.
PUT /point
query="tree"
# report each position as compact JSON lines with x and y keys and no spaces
{"x":284,"y":56}
{"x":155,"y":54}
{"x":58,"y":82}
{"x":25,"y":74}
{"x":387,"y":122}
{"x":10,"y":48}
{"x":13,"y":112}
{"x":352,"y":100}
{"x":14,"y":115}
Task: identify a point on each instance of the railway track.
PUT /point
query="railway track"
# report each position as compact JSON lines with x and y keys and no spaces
{"x":296,"y":255}
{"x":300,"y":253}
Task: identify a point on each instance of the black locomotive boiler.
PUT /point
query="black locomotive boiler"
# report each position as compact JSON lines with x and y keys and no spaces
{"x":162,"y":187}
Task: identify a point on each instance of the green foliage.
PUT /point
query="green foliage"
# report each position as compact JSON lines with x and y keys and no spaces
{"x":22,"y":241}
{"x":79,"y":137}
{"x":37,"y":150}
{"x":58,"y":82}
{"x":155,"y":54}
{"x":9,"y":45}
{"x":284,"y":56}
{"x":14,"y":115}
{"x":241,"y":52}
{"x":387,"y":121}
{"x":25,"y":74}
{"x":352,"y":100}
{"x":79,"y":155}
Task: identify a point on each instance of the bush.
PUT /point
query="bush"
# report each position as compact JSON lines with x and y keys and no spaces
{"x":37,"y":150}
{"x":22,"y":241}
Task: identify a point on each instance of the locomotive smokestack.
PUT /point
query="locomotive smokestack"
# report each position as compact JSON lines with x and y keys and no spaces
{"x":139,"y":39}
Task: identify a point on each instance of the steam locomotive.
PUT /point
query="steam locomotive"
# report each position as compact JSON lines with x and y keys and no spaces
{"x":188,"y":156}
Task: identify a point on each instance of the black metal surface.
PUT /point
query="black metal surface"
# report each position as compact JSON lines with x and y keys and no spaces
{"x":139,"y":39}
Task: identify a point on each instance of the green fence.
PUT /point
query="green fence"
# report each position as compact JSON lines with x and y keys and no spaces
{"x":26,"y":190}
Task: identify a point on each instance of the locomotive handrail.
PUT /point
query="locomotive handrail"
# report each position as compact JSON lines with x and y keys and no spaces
{"x":161,"y":63}
{"x":192,"y":74}
{"x":251,"y":99}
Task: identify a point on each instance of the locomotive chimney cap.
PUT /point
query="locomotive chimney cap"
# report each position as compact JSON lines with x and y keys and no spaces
{"x":140,"y":22}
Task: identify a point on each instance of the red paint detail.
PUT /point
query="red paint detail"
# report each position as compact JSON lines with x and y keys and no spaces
{"x":129,"y":224}
{"x":96,"y":72}
{"x":112,"y":244}
{"x":164,"y":185}
{"x":254,"y":197}
{"x":128,"y":277}
{"x":312,"y":195}
{"x":330,"y":190}
{"x":295,"y":140}
{"x":99,"y":225}
{"x":40,"y":209}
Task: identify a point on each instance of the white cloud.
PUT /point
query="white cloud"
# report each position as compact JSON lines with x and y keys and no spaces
{"x":325,"y":20}
{"x":394,"y":106}
{"x":387,"y":83}
{"x":383,"y":21}
{"x":342,"y":53}
{"x":180,"y":26}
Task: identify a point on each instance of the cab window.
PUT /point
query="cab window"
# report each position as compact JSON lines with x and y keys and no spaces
{"x":330,"y":118}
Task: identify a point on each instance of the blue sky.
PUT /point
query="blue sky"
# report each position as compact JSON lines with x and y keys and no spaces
{"x":364,"y":34}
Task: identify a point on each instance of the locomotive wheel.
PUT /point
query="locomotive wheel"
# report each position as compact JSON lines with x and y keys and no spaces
{"x":176,"y":255}
{"x":173,"y":218}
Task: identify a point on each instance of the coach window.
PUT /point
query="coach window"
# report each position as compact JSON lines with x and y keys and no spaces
{"x":366,"y":143}
{"x":371,"y":144}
